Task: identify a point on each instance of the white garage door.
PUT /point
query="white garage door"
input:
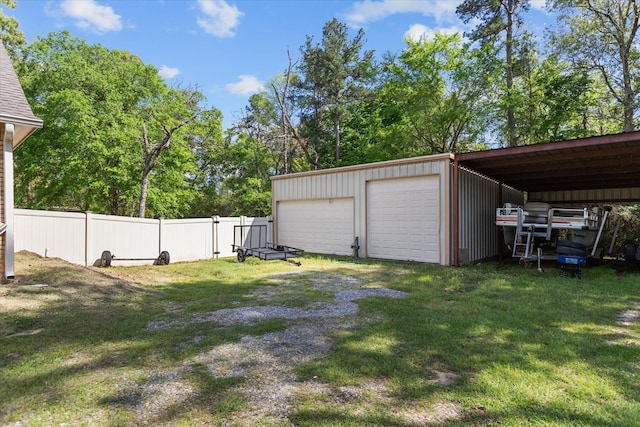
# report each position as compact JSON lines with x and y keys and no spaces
{"x":403,"y":217}
{"x":322,"y":226}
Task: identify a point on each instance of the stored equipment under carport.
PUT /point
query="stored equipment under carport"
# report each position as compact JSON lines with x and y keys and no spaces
{"x":251,"y":240}
{"x":107,"y":258}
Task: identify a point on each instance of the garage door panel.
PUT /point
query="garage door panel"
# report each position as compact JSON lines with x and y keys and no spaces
{"x":403,"y":219}
{"x":323,"y":226}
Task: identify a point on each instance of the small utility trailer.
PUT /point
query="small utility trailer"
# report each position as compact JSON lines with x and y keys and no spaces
{"x":107,"y":258}
{"x":251,"y":240}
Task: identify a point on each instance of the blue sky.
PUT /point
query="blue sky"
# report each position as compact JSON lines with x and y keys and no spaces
{"x":231,"y":48}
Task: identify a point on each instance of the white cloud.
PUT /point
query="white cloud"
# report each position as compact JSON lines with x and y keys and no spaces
{"x":90,"y":15}
{"x":168,"y":72}
{"x":246,"y":86}
{"x":220,"y":19}
{"x":366,"y":11}
{"x":419,"y":31}
{"x":539,"y":5}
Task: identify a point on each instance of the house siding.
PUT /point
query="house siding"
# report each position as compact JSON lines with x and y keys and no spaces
{"x":3,"y":217}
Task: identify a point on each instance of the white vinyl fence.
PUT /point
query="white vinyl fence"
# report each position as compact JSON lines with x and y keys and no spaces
{"x":81,"y":238}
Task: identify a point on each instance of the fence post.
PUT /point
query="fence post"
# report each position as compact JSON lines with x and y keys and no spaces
{"x":88,"y":236}
{"x":215,"y":221}
{"x":270,"y":230}
{"x":160,"y":234}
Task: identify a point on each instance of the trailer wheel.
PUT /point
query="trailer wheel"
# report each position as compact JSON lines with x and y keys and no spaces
{"x":105,"y":259}
{"x":164,"y":257}
{"x":241,"y":255}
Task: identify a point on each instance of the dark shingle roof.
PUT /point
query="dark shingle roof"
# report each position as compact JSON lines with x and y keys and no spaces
{"x":14,"y":108}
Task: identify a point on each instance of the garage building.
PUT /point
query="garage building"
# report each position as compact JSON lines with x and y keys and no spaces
{"x":441,"y":208}
{"x":400,"y":209}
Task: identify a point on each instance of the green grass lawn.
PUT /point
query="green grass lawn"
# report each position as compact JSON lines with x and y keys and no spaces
{"x":481,"y":345}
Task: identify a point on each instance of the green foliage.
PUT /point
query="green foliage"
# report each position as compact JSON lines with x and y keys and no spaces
{"x":434,"y":94}
{"x":86,"y":156}
{"x":551,"y":99}
{"x":248,"y":171}
{"x":493,"y":17}
{"x":10,"y":35}
{"x":110,"y":123}
{"x":626,"y":219}
{"x":333,"y":75}
{"x":235,"y":180}
{"x":117,"y":140}
{"x":601,"y":37}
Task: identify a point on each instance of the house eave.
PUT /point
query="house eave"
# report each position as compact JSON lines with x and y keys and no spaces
{"x":23,"y":127}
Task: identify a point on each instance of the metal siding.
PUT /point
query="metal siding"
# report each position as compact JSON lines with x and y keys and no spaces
{"x":477,"y":231}
{"x":351,"y":182}
{"x":612,"y":195}
{"x":511,"y":195}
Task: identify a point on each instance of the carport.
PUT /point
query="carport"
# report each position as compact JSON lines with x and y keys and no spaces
{"x":442,"y":208}
{"x":595,"y":170}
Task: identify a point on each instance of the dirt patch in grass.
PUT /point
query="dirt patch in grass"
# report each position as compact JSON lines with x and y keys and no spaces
{"x":267,"y":362}
{"x":52,"y":283}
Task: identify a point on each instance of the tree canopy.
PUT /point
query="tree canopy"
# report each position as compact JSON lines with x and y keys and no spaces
{"x":118,"y":140}
{"x":10,"y":34}
{"x":108,"y":119}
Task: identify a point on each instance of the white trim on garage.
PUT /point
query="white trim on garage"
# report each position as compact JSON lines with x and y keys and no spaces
{"x":322,"y":226}
{"x":403,"y":219}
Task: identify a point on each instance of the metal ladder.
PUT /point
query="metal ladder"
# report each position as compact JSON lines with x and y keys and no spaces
{"x":522,"y":249}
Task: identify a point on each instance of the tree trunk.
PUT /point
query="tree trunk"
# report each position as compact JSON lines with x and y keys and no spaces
{"x":629,"y":98}
{"x":143,"y":193}
{"x":336,"y":127}
{"x":511,"y":119}
{"x":152,"y":155}
{"x":625,"y":54}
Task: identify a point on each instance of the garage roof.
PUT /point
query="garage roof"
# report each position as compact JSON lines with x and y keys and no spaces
{"x":599,"y":162}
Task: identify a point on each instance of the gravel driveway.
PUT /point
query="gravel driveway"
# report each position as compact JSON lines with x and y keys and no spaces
{"x":266,"y":362}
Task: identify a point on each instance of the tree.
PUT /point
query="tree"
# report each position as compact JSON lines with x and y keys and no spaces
{"x":434,"y":93}
{"x":10,"y":35}
{"x":265,"y":122}
{"x":248,"y":169}
{"x":601,"y":36}
{"x":497,"y":16}
{"x":209,"y":148}
{"x":116,"y":137}
{"x":551,"y":99}
{"x":166,"y":115}
{"x":84,"y":157}
{"x":291,"y":129}
{"x":333,"y":75}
